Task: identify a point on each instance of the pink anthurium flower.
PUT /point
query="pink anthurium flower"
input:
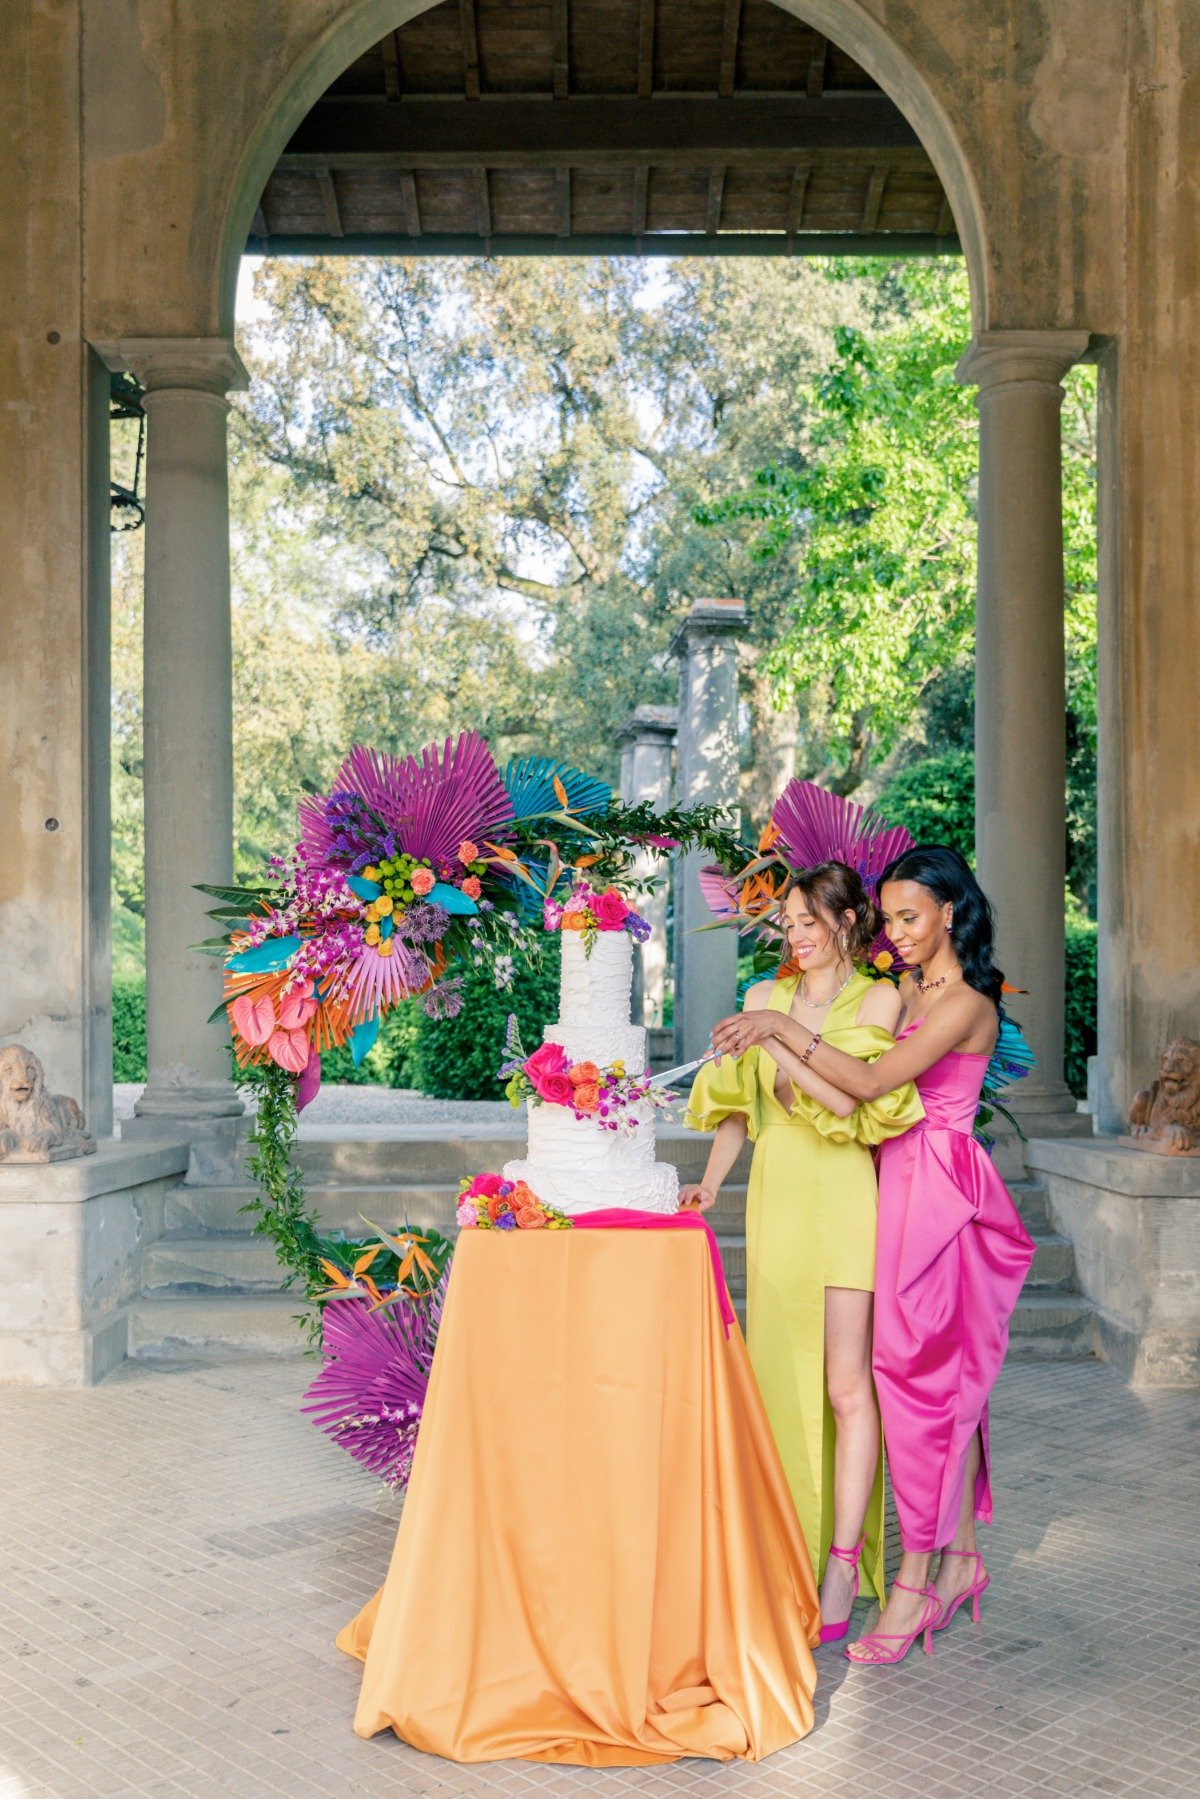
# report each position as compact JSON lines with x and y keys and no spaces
{"x":295,"y":1010}
{"x":254,"y":1019}
{"x":290,"y":1049}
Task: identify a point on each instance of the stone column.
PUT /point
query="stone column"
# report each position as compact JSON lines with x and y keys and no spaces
{"x":706,"y":775}
{"x":647,"y":740}
{"x":1020,"y":691}
{"x":188,"y":712}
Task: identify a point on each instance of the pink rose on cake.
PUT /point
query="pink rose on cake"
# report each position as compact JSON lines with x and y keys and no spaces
{"x":557,"y":1089}
{"x":551,"y":1058}
{"x":609,"y":910}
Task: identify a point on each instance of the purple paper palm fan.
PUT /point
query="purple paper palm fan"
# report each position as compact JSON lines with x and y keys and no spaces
{"x":816,"y":826}
{"x":369,"y":1395}
{"x":427,"y":804}
{"x":435,"y":802}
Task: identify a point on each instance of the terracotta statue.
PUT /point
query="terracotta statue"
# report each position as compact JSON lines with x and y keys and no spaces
{"x":36,"y":1126}
{"x":1165,"y":1117}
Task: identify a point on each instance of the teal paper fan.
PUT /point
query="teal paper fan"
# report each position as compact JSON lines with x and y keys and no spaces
{"x":530,"y":784}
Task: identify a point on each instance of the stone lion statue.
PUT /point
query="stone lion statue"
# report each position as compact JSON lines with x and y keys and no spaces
{"x":1166,"y":1115}
{"x":36,"y":1126}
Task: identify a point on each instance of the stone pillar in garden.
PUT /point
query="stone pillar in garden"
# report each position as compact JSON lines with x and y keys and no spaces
{"x":647,"y":740}
{"x":706,"y":775}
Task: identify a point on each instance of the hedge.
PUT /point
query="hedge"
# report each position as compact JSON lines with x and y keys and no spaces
{"x":457,"y":1058}
{"x":1080,"y":1019}
{"x":935,"y":799}
{"x":129,"y":1027}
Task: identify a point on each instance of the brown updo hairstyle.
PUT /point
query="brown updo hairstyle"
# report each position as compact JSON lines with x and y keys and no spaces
{"x":831,"y":890}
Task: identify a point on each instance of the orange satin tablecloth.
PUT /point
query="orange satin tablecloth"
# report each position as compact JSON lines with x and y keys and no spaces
{"x":598,"y":1560}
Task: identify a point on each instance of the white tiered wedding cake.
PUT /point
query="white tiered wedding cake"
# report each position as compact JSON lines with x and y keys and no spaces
{"x":576,"y":1163}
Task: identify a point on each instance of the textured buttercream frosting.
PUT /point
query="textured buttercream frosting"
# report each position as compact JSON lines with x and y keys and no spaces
{"x":576,"y":1163}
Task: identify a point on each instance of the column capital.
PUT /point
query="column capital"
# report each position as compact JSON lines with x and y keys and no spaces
{"x":650,"y":724}
{"x":1003,"y":358}
{"x":205,"y":364}
{"x":719,"y":617}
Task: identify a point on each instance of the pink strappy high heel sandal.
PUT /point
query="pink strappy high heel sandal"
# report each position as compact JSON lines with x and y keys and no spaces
{"x":979,"y":1585}
{"x":833,"y":1633}
{"x":888,"y":1656}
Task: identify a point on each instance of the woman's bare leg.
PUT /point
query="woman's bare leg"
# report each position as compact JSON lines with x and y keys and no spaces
{"x":856,"y":1416}
{"x":958,"y":1572}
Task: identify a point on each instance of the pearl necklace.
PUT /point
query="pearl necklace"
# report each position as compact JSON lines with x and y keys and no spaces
{"x":818,"y":1005}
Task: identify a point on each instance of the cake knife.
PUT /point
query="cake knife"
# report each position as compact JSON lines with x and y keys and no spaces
{"x":670,"y":1075}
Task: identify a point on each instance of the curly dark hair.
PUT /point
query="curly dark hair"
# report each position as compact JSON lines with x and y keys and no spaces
{"x":945,"y":874}
{"x":831,"y":890}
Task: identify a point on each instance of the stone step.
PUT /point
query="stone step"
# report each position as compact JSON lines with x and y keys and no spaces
{"x":188,"y":1327}
{"x":1052,"y":1327}
{"x":234,"y":1263}
{"x":1053,"y":1267}
{"x":386,"y":1156}
{"x":1044,"y":1326}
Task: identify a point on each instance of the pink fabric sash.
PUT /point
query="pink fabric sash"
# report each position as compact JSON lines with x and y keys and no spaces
{"x":619,"y":1218}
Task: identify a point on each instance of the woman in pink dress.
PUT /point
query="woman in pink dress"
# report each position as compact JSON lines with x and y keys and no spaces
{"x":952,"y":1253}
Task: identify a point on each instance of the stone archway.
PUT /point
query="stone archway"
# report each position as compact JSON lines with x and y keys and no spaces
{"x":846,"y":22}
{"x":1021,"y":652}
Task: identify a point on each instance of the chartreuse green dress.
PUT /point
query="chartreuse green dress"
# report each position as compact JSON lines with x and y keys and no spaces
{"x":810,"y":1224}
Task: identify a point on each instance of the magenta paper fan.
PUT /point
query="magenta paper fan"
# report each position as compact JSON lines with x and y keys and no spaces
{"x":370,"y":1393}
{"x":816,"y":826}
{"x":430,"y":803}
{"x":720,"y":893}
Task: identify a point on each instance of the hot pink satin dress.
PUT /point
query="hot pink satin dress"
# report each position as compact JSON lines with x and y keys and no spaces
{"x":951,"y":1259}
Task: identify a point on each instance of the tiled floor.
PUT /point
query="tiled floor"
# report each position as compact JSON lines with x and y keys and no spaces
{"x":179,"y":1547}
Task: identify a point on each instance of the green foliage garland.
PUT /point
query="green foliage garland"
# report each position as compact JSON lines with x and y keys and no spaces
{"x":280,"y":1212}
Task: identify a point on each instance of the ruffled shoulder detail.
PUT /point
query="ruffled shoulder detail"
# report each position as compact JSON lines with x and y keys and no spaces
{"x":722,"y":1088}
{"x":873,"y":1121}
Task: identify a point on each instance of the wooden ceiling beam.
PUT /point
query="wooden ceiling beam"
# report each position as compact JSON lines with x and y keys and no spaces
{"x":796,"y":199}
{"x":346,"y":133}
{"x":617,"y":243}
{"x":816,"y":65}
{"x":641,"y":195}
{"x":483,"y":204}
{"x":874,"y":200}
{"x":470,"y":48}
{"x":390,"y":51}
{"x":647,"y":20}
{"x":329,"y":200}
{"x":716,"y":194}
{"x":409,"y":201}
{"x":562,"y":49}
{"x":731,"y":31}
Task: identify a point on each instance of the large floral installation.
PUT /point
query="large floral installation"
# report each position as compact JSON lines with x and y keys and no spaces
{"x":409,"y":864}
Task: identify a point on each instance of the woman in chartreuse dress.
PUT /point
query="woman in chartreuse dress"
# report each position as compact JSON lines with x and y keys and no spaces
{"x":810,"y":1225}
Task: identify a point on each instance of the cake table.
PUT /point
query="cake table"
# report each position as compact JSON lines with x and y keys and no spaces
{"x":598,"y":1560}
